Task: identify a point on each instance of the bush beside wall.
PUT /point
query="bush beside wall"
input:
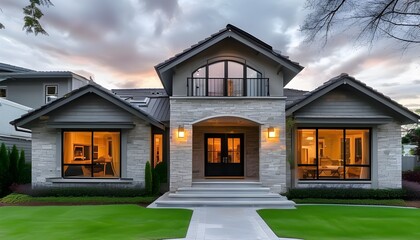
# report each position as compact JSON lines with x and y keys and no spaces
{"x":342,"y":193}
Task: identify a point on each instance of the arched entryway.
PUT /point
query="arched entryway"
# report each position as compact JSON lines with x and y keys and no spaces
{"x":226,"y":147}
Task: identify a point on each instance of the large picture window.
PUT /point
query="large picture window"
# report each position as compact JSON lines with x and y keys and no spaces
{"x":333,"y":154}
{"x":91,"y":154}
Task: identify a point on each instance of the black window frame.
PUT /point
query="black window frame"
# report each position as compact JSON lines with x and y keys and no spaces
{"x":2,"y":88}
{"x":344,"y":152}
{"x":226,"y":77}
{"x":92,"y":152}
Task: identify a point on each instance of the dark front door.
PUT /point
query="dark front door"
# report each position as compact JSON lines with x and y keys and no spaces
{"x":224,"y":155}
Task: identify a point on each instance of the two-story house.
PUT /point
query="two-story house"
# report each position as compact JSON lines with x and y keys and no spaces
{"x":22,"y":90}
{"x":222,"y":117}
{"x":36,"y":88}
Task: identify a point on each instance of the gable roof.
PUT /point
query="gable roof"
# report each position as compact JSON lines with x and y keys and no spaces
{"x":90,"y":88}
{"x":39,"y":74}
{"x":10,"y":68}
{"x":345,"y":79}
{"x":164,"y":69}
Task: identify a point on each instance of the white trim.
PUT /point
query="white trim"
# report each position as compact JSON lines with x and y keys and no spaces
{"x":225,"y":115}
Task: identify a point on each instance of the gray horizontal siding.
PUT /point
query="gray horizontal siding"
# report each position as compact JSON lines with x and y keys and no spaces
{"x":90,"y":108}
{"x":21,"y":144}
{"x":342,"y":102}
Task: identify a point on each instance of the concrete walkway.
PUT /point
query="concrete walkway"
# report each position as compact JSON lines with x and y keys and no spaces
{"x":213,"y":223}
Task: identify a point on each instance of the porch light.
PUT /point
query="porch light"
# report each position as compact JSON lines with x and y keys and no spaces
{"x":181,"y":131}
{"x":271,"y":132}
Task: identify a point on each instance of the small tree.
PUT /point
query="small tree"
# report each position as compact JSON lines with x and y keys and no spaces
{"x":13,"y":165}
{"x":413,"y":137}
{"x":4,"y":169}
{"x":148,"y":178}
{"x":21,"y":168}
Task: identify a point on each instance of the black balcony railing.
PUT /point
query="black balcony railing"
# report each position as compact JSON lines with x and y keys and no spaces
{"x":231,"y":87}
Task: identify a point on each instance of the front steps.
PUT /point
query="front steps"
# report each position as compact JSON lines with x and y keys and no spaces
{"x":223,"y":194}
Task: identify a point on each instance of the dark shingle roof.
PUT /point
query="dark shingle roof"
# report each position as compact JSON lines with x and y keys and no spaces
{"x":164,"y":69}
{"x":345,"y":79}
{"x":293,"y":95}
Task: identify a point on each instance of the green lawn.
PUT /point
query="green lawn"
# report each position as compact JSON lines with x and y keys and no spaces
{"x":344,"y":222}
{"x":93,"y":222}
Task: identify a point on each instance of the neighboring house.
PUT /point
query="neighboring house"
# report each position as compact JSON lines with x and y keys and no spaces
{"x":8,"y":134}
{"x":222,"y":114}
{"x":36,"y":88}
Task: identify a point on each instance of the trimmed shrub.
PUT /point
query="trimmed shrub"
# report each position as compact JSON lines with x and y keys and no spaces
{"x":13,"y":164}
{"x":4,"y":170}
{"x":85,"y":192}
{"x":148,"y":178}
{"x":155,"y":182}
{"x":162,"y":171}
{"x":22,"y":169}
{"x":413,"y":176}
{"x":345,"y":193}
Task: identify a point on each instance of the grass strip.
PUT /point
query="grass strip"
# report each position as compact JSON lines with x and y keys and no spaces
{"x":15,"y":198}
{"x":385,"y":202}
{"x":343,"y":222}
{"x":92,"y":222}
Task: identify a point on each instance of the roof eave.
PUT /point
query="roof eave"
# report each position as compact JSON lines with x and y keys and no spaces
{"x":31,"y":116}
{"x":345,"y":79}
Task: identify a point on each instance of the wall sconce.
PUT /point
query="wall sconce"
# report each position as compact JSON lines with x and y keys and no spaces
{"x":181,"y":131}
{"x":271,"y":132}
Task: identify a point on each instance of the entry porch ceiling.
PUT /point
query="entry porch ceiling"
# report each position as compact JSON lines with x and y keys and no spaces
{"x":226,"y":121}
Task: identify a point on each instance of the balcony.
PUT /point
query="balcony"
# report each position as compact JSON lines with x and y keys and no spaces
{"x":228,"y":87}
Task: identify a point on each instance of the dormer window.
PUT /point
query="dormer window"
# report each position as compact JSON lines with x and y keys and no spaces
{"x":227,"y":78}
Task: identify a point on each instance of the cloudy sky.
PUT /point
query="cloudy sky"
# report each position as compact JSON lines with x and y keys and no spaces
{"x":118,"y":42}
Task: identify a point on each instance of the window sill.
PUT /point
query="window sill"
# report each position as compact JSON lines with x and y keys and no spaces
{"x":91,"y":180}
{"x":334,"y":181}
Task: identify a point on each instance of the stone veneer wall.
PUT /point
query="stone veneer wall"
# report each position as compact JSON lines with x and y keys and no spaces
{"x":46,"y":160}
{"x":389,"y":155}
{"x":138,"y":151}
{"x":267,"y":111}
{"x":44,"y":155}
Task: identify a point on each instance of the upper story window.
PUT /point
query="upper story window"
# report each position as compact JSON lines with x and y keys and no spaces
{"x":227,"y":78}
{"x":3,"y":92}
{"x":51,"y":93}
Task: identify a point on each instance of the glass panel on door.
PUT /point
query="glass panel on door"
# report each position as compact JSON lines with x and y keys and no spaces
{"x":214,"y":150}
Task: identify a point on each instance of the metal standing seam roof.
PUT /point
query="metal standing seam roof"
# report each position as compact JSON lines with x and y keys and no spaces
{"x":153,"y":101}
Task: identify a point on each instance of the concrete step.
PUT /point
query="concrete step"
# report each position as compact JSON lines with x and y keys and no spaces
{"x":229,"y":184}
{"x":285,"y":204}
{"x":223,"y":190}
{"x":225,"y":195}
